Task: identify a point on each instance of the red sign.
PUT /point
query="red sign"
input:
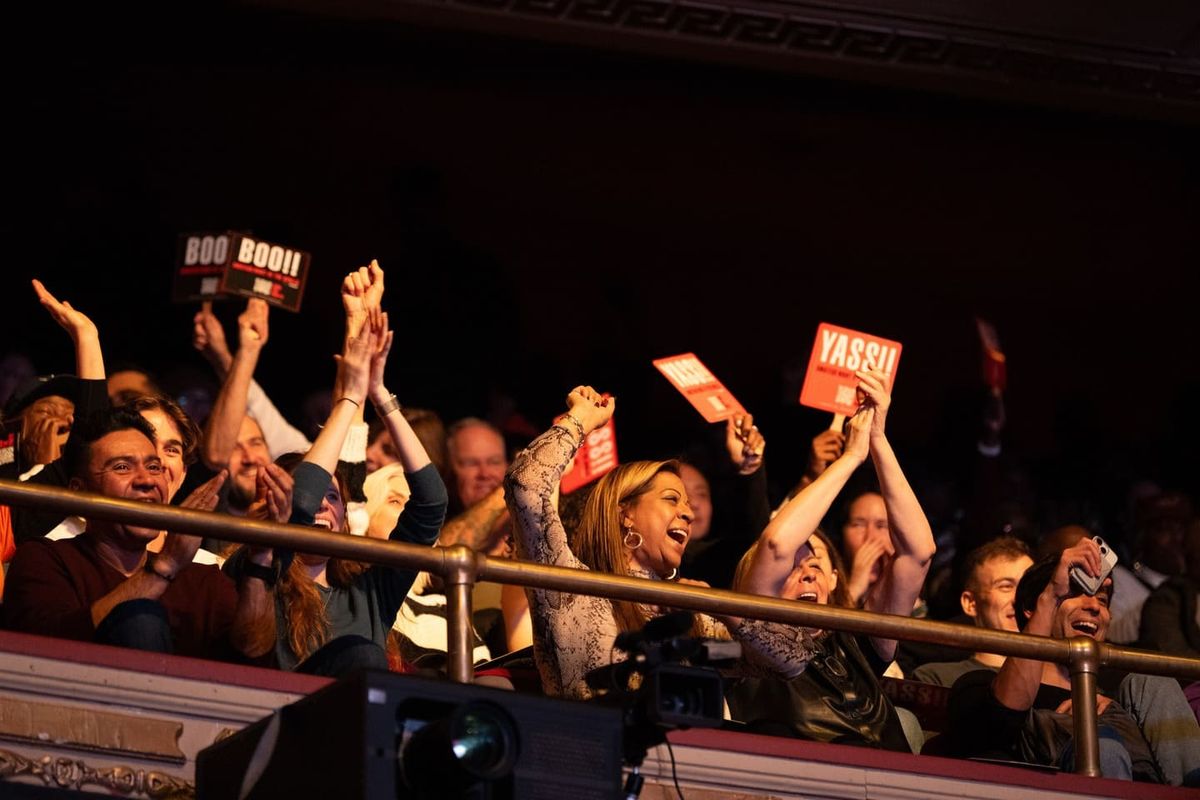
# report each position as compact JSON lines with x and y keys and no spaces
{"x":699,"y":386}
{"x":596,"y":456}
{"x":830,"y":383}
{"x":8,"y":448}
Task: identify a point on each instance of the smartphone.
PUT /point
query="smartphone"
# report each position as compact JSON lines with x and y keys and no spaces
{"x":1108,"y":560}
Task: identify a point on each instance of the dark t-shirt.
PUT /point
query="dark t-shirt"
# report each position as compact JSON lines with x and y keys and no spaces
{"x":981,"y":726}
{"x":368,"y":606}
{"x":836,"y":699}
{"x":51,"y":586}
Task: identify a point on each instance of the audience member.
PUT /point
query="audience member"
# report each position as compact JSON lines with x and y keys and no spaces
{"x":637,"y":522}
{"x":1023,"y":711}
{"x":712,"y":555}
{"x":838,"y":697}
{"x":993,"y":572}
{"x":333,"y":616}
{"x":104,"y":586}
{"x":1158,"y":554}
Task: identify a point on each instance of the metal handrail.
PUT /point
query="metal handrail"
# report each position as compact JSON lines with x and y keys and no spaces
{"x":460,"y":568}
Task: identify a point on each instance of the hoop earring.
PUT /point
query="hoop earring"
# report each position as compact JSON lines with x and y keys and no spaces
{"x":674,"y":574}
{"x":625,"y":539}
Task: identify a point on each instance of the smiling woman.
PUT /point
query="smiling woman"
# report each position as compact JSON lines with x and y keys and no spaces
{"x":637,"y":522}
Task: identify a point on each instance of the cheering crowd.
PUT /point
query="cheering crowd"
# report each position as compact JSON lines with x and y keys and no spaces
{"x":406,"y":476}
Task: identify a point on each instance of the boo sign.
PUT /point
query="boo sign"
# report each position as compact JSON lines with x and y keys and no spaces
{"x":230,"y":262}
{"x":830,"y":382}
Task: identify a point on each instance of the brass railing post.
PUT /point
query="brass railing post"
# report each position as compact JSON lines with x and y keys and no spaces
{"x":458,"y":573}
{"x":1084,"y":663}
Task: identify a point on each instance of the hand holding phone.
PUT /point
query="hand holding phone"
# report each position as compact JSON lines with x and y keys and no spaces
{"x":1108,"y":560}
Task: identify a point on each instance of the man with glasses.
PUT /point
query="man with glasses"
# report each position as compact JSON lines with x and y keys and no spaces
{"x":104,"y":585}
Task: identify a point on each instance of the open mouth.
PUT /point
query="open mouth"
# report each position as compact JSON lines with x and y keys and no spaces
{"x":1085,"y":627}
{"x":322,"y":523}
{"x":808,"y":597}
{"x":678,"y":535}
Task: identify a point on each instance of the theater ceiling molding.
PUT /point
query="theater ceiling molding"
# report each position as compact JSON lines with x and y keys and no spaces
{"x":1140,"y":59}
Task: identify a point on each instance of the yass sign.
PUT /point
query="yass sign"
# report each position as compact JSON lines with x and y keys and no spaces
{"x":830,"y":382}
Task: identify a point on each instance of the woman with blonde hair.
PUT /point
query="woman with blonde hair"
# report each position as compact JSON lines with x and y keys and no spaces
{"x":636,"y":522}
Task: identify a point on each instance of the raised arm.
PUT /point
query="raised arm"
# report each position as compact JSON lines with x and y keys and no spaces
{"x":353,"y":379}
{"x":229,"y":409}
{"x":208,"y":337}
{"x":775,"y":557}
{"x":1017,"y":683}
{"x":534,"y":474}
{"x":902,"y":579}
{"x":89,"y":359}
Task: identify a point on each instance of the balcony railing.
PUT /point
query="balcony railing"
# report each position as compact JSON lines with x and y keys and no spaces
{"x":461,"y":567}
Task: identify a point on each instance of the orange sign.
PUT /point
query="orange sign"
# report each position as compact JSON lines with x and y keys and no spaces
{"x":830,"y":383}
{"x":596,"y":456}
{"x":699,"y":386}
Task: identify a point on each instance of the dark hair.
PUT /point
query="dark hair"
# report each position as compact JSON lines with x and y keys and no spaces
{"x":189,"y":432}
{"x":1034,"y":582}
{"x":78,"y":452}
{"x":306,"y":621}
{"x":1007,"y":547}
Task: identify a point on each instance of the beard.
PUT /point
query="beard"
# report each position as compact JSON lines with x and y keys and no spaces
{"x":240,"y":497}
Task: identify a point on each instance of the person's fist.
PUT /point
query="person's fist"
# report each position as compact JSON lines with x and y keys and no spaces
{"x":590,"y":409}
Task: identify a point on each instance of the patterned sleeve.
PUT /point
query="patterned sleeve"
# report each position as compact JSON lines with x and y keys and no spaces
{"x":572,"y":633}
{"x":769,"y":649}
{"x":773,"y":649}
{"x":529,"y":486}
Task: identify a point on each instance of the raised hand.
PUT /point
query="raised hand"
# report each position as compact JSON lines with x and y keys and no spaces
{"x":44,"y":432}
{"x":362,"y":294}
{"x":76,"y":323}
{"x":873,"y":384}
{"x":1084,"y":554}
{"x":827,"y":447}
{"x":859,"y":430}
{"x":744,"y":443}
{"x":89,"y":360}
{"x":354,"y":364}
{"x":208,"y":337}
{"x":383,"y":346}
{"x":252,"y":324}
{"x":589,"y":408}
{"x":866,"y":566}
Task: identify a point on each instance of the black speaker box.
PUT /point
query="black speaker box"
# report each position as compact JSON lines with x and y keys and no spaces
{"x":346,"y":741}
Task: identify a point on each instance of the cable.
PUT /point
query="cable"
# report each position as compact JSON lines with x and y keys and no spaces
{"x":674,"y":774}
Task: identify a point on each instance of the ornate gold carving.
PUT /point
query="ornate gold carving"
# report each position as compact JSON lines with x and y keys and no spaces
{"x":75,"y":774}
{"x":224,"y":734}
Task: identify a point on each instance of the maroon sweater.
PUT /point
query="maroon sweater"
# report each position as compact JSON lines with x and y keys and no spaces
{"x":51,"y":586}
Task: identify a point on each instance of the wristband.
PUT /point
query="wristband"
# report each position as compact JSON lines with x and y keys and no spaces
{"x":351,"y":399}
{"x":265,"y":574}
{"x":388,"y":406}
{"x":151,"y":560}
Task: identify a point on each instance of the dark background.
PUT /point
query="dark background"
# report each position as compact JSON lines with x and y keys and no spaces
{"x":551,"y":215}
